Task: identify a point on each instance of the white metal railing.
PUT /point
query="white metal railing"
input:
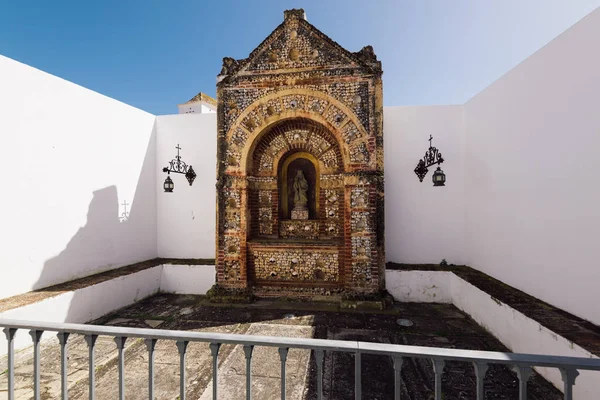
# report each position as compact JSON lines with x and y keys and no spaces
{"x":521,"y":363}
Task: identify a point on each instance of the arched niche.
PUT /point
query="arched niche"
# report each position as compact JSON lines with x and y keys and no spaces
{"x":278,"y":154}
{"x":289,"y":166}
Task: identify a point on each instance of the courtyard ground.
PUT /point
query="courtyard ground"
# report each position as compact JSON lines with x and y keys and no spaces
{"x":435,"y":325}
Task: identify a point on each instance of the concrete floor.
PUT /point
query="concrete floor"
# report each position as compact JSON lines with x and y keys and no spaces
{"x":434,"y":325}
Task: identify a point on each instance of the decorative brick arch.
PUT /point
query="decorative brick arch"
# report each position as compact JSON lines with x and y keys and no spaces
{"x":294,"y":135}
{"x":259,"y":117}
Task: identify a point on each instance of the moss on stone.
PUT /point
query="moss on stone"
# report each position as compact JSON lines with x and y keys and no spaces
{"x":220,"y":294}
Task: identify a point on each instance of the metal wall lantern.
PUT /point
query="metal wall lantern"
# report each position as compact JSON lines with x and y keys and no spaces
{"x":432,"y":157}
{"x":178,"y":167}
{"x":439,"y":178}
{"x":168,"y":185}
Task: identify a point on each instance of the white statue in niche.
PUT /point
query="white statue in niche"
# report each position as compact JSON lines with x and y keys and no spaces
{"x":300,"y":191}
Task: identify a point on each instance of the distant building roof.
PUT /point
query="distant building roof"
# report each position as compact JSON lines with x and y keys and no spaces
{"x":201,"y":97}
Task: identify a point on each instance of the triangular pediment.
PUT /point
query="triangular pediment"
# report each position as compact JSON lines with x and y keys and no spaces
{"x":298,"y":45}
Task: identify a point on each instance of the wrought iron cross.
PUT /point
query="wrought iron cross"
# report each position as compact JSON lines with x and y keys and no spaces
{"x":180,"y":167}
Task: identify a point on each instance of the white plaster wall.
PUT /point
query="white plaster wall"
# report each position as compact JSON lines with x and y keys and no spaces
{"x":208,"y":109}
{"x":71,"y":156}
{"x":186,"y":217}
{"x":187,"y":279}
{"x":419,"y":286}
{"x":195,"y":108}
{"x":532,"y":163}
{"x":423,"y":223}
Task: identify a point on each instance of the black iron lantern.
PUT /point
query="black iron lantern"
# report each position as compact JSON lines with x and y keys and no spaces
{"x":432,"y":157}
{"x":168,"y":185}
{"x":177,"y":166}
{"x":439,"y":178}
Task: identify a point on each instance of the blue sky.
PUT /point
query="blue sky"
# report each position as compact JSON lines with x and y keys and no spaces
{"x":155,"y":54}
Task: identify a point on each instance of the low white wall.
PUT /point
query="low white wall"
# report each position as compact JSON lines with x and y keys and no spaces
{"x":419,"y":286}
{"x":92,"y":302}
{"x":423,"y":223}
{"x":86,"y":304}
{"x":187,"y":216}
{"x":516,"y":331}
{"x":187,"y":279}
{"x":522,"y":334}
{"x":72,"y":157}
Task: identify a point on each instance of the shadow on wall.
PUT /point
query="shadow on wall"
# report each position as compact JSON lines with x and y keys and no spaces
{"x":94,"y":245}
{"x":106,"y":243}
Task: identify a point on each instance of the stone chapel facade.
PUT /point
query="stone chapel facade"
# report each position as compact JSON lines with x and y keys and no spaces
{"x":300,"y":165}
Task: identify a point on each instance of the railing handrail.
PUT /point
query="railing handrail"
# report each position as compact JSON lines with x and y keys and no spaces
{"x":533,"y":360}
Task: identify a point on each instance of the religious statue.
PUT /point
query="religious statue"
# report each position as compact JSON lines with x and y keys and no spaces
{"x":300,"y":191}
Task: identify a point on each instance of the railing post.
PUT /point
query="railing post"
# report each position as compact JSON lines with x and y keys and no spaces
{"x":283,"y":353}
{"x":248,"y":348}
{"x":523,"y":373}
{"x":397,"y":376}
{"x":91,"y":342}
{"x":64,"y":386}
{"x":120,"y":341}
{"x":10,"y":336}
{"x":150,"y":345}
{"x":438,"y":369}
{"x":36,"y":336}
{"x":568,"y":377}
{"x":319,"y":355}
{"x":214,"y":350}
{"x":480,"y":370}
{"x":357,"y":376}
{"x":181,"y":347}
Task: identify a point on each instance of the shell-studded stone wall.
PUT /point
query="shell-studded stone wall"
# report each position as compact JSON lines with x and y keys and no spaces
{"x":352,"y":95}
{"x":300,"y":94}
{"x":296,"y":136}
{"x":357,"y":142}
{"x":294,"y":264}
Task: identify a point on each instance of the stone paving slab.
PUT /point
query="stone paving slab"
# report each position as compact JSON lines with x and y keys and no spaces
{"x":433,"y":325}
{"x":166,"y":366}
{"x":77,"y":361}
{"x":50,"y":365}
{"x":266,"y":368}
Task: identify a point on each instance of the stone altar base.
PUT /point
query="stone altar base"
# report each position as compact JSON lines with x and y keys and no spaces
{"x":299,"y":214}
